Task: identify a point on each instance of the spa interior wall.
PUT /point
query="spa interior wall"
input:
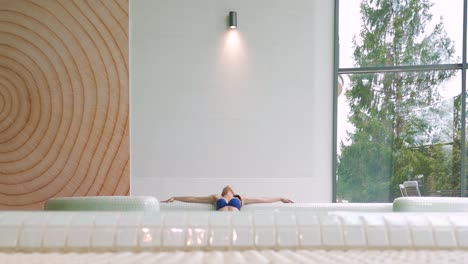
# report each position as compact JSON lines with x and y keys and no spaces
{"x":250,"y":107}
{"x":64,"y":100}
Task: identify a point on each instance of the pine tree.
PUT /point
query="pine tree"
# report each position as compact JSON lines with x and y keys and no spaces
{"x":396,"y":136}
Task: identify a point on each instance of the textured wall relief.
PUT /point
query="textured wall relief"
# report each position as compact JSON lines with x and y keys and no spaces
{"x":63,"y":100}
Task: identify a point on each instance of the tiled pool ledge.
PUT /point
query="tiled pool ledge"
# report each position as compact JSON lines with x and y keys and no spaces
{"x":178,"y":230}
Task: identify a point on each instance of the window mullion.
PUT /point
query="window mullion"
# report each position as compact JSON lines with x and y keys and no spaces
{"x":463,"y":105}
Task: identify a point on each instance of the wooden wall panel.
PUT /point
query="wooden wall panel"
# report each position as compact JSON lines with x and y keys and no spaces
{"x":63,"y":100}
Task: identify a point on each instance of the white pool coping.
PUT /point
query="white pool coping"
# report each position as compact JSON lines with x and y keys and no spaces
{"x":248,"y":230}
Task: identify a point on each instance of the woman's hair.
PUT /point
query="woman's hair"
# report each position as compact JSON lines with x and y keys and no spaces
{"x":238,"y":197}
{"x":226,"y":190}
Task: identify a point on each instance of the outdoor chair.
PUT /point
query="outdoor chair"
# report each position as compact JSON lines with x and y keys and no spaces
{"x":411,"y":188}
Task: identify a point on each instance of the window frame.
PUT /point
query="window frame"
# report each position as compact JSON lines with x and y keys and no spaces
{"x":404,"y":68}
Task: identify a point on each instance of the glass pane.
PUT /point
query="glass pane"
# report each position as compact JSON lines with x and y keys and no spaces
{"x":397,"y":127}
{"x":394,"y":32}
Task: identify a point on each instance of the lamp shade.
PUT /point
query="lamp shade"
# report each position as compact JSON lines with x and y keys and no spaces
{"x":232,"y":19}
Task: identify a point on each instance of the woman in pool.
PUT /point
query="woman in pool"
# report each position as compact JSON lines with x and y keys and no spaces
{"x":227,"y":201}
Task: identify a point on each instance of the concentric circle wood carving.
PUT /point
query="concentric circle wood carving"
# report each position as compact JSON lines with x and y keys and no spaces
{"x":63,"y":100}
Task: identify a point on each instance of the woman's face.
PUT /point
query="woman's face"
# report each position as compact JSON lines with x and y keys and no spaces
{"x":227,"y":191}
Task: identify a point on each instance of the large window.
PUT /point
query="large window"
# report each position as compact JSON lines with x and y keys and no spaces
{"x":400,"y":108}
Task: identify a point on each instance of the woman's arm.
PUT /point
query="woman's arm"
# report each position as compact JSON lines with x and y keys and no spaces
{"x":249,"y":200}
{"x":192,"y":199}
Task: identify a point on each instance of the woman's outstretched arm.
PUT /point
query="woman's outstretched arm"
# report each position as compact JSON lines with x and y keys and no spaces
{"x":192,"y":199}
{"x":250,"y":200}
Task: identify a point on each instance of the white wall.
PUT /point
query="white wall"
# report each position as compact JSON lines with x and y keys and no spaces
{"x":250,"y":107}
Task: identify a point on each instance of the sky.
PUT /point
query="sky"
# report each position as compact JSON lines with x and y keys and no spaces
{"x":349,"y":26}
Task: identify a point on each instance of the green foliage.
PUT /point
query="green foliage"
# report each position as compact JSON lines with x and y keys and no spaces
{"x":397,"y":131}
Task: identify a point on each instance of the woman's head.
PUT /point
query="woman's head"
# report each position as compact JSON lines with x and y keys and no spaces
{"x":227,"y":191}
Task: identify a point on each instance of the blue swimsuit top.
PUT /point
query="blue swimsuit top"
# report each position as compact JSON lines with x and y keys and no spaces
{"x":234,"y":202}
